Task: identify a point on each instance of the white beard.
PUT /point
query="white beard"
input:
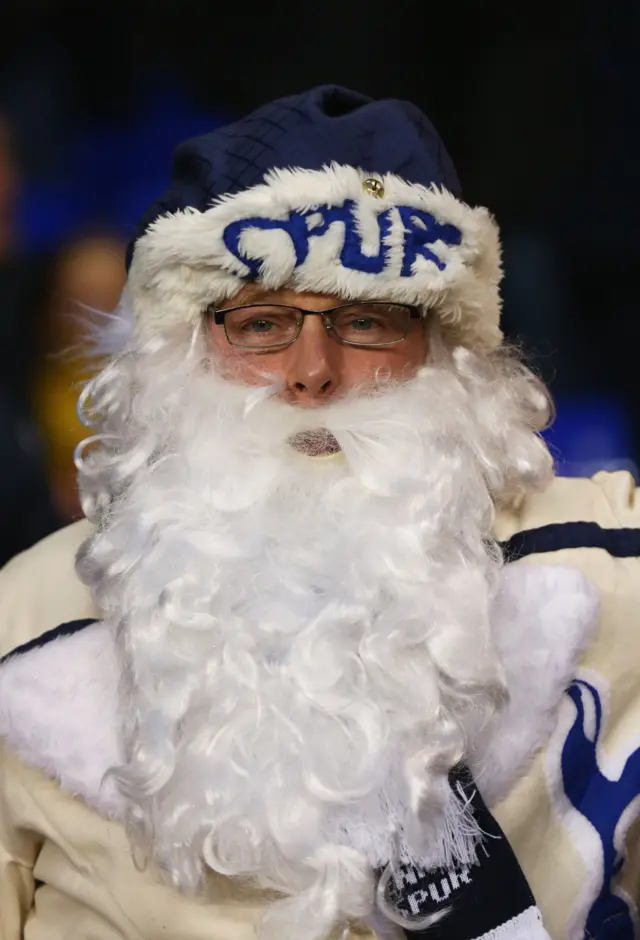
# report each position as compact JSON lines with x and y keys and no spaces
{"x":303,"y":640}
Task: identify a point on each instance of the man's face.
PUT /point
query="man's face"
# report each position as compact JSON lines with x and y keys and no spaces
{"x":317,"y":365}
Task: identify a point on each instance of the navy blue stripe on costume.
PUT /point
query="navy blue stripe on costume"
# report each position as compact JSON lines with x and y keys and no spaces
{"x":64,"y":629}
{"x":621,"y":543}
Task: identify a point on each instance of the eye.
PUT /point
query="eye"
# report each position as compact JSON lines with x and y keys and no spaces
{"x":362,"y":323}
{"x":257,"y":325}
{"x":262,"y":325}
{"x":371,"y":324}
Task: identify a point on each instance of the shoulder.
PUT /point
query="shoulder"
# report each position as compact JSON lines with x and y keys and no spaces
{"x":584,"y":783}
{"x":58,"y":670}
{"x":39,"y":589}
{"x":575,"y":514}
{"x":592,"y":525}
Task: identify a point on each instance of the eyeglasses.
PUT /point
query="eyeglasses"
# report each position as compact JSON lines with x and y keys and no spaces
{"x":272,"y":326}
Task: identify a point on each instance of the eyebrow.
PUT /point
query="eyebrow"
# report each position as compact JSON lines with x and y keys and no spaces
{"x":251,"y":292}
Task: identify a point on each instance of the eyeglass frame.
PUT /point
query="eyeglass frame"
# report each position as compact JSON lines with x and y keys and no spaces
{"x":219,"y":317}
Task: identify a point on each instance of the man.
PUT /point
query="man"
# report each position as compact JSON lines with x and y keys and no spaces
{"x":281,"y":681}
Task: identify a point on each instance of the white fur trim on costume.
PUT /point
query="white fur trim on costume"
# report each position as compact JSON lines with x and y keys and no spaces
{"x":319,"y":230}
{"x":58,"y":702}
{"x":58,"y":707}
{"x":545,"y":617}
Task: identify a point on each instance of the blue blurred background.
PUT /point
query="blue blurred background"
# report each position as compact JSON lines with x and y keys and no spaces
{"x":538,"y":107}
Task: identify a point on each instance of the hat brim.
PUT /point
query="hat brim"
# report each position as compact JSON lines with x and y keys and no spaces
{"x":324,"y":231}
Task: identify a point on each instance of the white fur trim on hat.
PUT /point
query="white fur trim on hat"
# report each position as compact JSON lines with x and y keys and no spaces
{"x":324,"y":231}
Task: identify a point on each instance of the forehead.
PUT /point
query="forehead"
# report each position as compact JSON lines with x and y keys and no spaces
{"x":256,"y":293}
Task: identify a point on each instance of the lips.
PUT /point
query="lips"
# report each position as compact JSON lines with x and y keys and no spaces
{"x":316,"y":443}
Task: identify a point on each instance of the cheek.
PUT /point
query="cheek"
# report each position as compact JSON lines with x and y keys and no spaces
{"x":415,"y":352}
{"x":236,"y":365}
{"x":401,"y":361}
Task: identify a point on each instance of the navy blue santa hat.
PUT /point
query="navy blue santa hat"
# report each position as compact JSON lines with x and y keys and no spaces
{"x":328,"y":191}
{"x":325,"y":125}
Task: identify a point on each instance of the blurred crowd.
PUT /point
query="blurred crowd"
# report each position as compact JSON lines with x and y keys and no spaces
{"x":45,"y":299}
{"x":92,"y":101}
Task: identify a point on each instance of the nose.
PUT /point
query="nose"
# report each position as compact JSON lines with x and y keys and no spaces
{"x":311,"y":369}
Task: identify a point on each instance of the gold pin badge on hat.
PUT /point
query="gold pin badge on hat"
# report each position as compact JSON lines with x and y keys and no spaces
{"x":373,"y":187}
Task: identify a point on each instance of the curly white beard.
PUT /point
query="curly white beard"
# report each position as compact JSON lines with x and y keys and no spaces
{"x":303,"y":640}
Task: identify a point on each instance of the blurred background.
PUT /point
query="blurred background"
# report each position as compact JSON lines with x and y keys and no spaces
{"x":538,"y":106}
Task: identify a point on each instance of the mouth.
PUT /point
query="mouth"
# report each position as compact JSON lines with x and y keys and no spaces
{"x":316,"y":443}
